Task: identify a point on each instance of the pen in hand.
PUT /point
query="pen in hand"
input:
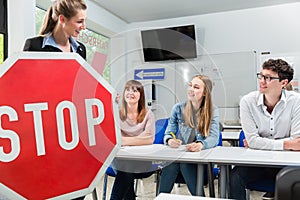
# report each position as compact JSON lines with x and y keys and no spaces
{"x":175,"y":142}
{"x":173,"y":135}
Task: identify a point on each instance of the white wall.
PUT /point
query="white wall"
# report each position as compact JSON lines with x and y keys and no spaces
{"x":275,"y":29}
{"x":21,"y":23}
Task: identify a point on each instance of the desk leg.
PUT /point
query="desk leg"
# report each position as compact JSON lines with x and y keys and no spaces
{"x":94,"y":194}
{"x":228,"y":171}
{"x":200,"y":180}
{"x":211,"y":180}
{"x":223,"y":178}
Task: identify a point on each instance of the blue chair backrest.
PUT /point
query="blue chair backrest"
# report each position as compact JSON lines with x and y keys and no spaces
{"x":110,"y":171}
{"x":241,"y":138}
{"x":160,"y":127}
{"x":220,"y":140}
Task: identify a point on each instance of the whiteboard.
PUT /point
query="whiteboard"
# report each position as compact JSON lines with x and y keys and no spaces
{"x":233,"y":75}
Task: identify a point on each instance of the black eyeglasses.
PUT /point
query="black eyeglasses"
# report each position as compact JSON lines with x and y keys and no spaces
{"x":267,"y":78}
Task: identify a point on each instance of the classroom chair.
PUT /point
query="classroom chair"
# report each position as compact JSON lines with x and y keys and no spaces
{"x":288,"y":184}
{"x":266,"y":185}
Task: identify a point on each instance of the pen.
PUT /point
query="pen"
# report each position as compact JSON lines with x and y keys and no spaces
{"x":173,"y":135}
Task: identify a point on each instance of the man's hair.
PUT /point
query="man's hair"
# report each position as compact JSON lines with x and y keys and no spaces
{"x":284,"y":70}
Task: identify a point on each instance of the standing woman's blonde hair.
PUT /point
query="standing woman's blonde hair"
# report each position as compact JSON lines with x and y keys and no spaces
{"x":132,"y":84}
{"x":67,"y":8}
{"x":205,"y":110}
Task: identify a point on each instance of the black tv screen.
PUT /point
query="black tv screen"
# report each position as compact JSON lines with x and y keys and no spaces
{"x":169,"y":43}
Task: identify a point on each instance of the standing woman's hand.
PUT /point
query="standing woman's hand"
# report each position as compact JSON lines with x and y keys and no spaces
{"x":194,"y":147}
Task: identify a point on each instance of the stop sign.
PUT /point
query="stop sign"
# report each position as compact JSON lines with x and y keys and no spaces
{"x":58,"y":126}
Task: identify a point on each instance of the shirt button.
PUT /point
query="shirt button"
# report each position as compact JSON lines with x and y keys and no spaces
{"x":271,"y":135}
{"x":271,"y":129}
{"x":271,"y":118}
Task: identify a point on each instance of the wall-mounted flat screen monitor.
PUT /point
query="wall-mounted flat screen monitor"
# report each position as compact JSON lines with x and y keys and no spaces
{"x":169,"y":43}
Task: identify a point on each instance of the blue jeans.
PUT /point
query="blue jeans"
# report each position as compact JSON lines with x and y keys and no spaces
{"x":240,"y":176}
{"x":170,"y":173}
{"x":123,"y":187}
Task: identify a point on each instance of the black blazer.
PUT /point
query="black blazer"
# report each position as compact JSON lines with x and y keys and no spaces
{"x":35,"y":44}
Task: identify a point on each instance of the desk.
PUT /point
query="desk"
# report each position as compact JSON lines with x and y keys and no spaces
{"x":164,"y":196}
{"x":160,"y":152}
{"x":226,"y":156}
{"x":237,"y":127}
{"x":231,"y":137}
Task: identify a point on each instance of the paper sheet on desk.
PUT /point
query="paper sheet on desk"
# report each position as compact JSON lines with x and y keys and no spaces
{"x":259,"y":154}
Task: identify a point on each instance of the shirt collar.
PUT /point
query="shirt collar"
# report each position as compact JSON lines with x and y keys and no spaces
{"x":49,"y":41}
{"x":260,"y":99}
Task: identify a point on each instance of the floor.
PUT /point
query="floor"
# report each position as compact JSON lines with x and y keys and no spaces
{"x":146,"y":190}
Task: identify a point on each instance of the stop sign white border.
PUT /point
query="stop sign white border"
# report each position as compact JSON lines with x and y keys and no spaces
{"x":10,"y":194}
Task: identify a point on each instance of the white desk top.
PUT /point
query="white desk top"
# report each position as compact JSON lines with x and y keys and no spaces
{"x":232,"y":126}
{"x":241,"y":155}
{"x":226,"y":155}
{"x":250,"y":157}
{"x":228,"y":135}
{"x":164,"y":196}
{"x":160,"y":152}
{"x":221,"y":155}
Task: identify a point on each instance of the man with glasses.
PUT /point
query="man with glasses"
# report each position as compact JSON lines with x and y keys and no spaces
{"x":270,"y":120}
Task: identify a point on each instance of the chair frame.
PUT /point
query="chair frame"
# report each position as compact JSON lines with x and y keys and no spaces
{"x":286,"y":179}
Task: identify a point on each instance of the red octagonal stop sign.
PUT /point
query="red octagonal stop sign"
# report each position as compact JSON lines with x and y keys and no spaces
{"x":58,"y":126}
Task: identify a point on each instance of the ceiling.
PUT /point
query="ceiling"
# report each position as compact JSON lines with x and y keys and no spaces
{"x":146,"y":10}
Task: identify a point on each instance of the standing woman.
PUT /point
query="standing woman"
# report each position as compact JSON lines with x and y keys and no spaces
{"x":137,"y":128}
{"x":62,"y":24}
{"x":197,"y":122}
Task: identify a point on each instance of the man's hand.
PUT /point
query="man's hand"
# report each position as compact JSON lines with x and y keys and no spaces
{"x":293,"y":144}
{"x":245,"y":143}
